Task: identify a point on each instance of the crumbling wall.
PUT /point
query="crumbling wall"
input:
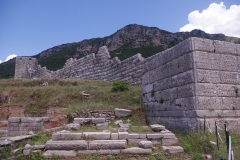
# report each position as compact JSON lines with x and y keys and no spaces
{"x":93,"y":66}
{"x":194,"y":79}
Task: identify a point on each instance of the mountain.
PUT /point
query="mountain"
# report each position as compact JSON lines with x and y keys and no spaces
{"x":124,"y":43}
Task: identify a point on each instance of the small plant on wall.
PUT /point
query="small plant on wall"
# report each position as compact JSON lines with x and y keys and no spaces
{"x":161,"y":100}
{"x":152,"y":93}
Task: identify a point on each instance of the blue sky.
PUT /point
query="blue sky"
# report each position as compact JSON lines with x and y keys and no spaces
{"x":28,"y":27}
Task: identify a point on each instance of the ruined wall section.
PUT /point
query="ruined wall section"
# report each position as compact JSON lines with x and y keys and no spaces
{"x":196,"y":78}
{"x":168,"y":87}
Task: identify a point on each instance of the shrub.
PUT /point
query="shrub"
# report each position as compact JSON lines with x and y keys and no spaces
{"x":119,"y":86}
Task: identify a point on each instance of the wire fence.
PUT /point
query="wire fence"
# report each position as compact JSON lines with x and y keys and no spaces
{"x":227,"y":140}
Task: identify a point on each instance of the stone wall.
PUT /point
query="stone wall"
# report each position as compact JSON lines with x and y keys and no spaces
{"x":93,"y":66}
{"x":196,"y":78}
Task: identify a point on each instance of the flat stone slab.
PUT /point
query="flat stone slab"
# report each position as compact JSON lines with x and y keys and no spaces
{"x":82,"y":120}
{"x":169,"y":141}
{"x":101,"y":126}
{"x":114,"y":136}
{"x":5,"y":143}
{"x":133,"y":136}
{"x":87,"y":151}
{"x":172,"y":149}
{"x":37,"y":147}
{"x":136,"y":141}
{"x":97,"y":135}
{"x":137,"y":151}
{"x":107,"y":144}
{"x":98,"y":120}
{"x":67,"y":145}
{"x":169,"y":135}
{"x":157,"y":127}
{"x":155,"y":136}
{"x":122,"y":112}
{"x":66,"y":136}
{"x":145,"y":144}
{"x":108,"y":151}
{"x":64,"y":153}
{"x":17,"y":138}
{"x":122,"y":135}
{"x":72,"y":126}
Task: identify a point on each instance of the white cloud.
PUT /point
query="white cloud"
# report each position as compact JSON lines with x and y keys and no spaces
{"x":10,"y":57}
{"x":215,"y":19}
{"x":0,"y":61}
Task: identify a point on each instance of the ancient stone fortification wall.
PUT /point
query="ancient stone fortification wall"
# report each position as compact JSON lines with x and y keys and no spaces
{"x":94,"y":66}
{"x":196,"y":78}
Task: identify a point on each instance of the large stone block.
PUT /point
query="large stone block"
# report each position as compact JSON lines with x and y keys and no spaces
{"x":137,"y":151}
{"x":224,"y":47}
{"x":169,"y":141}
{"x":157,"y":127}
{"x":97,"y":135}
{"x":67,"y":145}
{"x":145,"y":144}
{"x":82,"y":120}
{"x":98,"y":120}
{"x":172,"y":149}
{"x":108,"y":151}
{"x":101,"y":126}
{"x":61,"y":153}
{"x":66,"y":136}
{"x":155,"y":136}
{"x":107,"y":144}
{"x":122,"y":112}
{"x":72,"y":126}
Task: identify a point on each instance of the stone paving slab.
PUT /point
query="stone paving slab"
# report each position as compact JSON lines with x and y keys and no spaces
{"x":133,"y":136}
{"x":98,"y":120}
{"x":107,"y":144}
{"x":67,"y":145}
{"x":137,"y":151}
{"x":109,"y":152}
{"x":66,"y":136}
{"x":64,"y":153}
{"x":97,"y":135}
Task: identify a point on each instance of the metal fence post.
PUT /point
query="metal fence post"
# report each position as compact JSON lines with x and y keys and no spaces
{"x":216,"y":134}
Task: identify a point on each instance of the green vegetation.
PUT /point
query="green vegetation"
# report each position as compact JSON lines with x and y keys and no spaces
{"x":119,"y":86}
{"x":7,"y":70}
{"x":125,"y":51}
{"x":40,"y":139}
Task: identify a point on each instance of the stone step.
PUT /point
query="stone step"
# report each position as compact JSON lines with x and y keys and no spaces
{"x":137,"y":151}
{"x":67,"y":145}
{"x":66,"y":136}
{"x":172,"y":149}
{"x":107,"y":144}
{"x":64,"y":153}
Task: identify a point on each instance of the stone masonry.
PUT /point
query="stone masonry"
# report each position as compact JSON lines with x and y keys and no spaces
{"x":196,"y":78}
{"x":181,"y":85}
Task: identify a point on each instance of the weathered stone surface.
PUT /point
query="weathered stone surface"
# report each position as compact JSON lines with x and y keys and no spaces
{"x":122,"y":112}
{"x":98,"y":120}
{"x":107,"y":144}
{"x":82,"y":120}
{"x":66,"y":136}
{"x":155,"y":136}
{"x":136,"y":141}
{"x":108,"y":152}
{"x":17,"y":151}
{"x":72,"y":126}
{"x":133,"y":136}
{"x":145,"y":144}
{"x":142,"y":136}
{"x":137,"y":151}
{"x":172,"y":149}
{"x":118,"y":122}
{"x":37,"y":147}
{"x":102,"y":125}
{"x":123,"y":129}
{"x":157,"y":127}
{"x":97,"y":135}
{"x":67,"y":145}
{"x":26,"y":152}
{"x":27,"y":146}
{"x":122,"y":135}
{"x":114,"y":136}
{"x":64,"y":153}
{"x":169,"y":141}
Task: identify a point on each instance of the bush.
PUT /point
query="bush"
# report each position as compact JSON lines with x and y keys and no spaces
{"x":119,"y":86}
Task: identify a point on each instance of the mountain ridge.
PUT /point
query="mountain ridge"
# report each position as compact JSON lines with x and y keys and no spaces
{"x":124,"y":43}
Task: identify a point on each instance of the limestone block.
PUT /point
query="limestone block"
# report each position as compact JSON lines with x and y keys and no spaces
{"x":137,"y":151}
{"x":46,"y":119}
{"x":169,"y":135}
{"x":107,"y":144}
{"x":14,"y":120}
{"x":3,"y":131}
{"x":133,"y":136}
{"x":122,"y":135}
{"x":27,"y":146}
{"x":37,"y":147}
{"x":147,"y":88}
{"x":72,"y":126}
{"x":108,"y":152}
{"x":142,"y":136}
{"x":97,"y":135}
{"x":223,"y":47}
{"x":101,"y":126}
{"x":157,"y":127}
{"x":169,"y":141}
{"x":122,"y":112}
{"x":136,"y":141}
{"x":118,"y":122}
{"x":172,"y":149}
{"x":145,"y":144}
{"x":67,"y":145}
{"x":98,"y":120}
{"x":114,"y":136}
{"x":87,"y":151}
{"x":16,"y":151}
{"x":155,"y":136}
{"x":82,"y":120}
{"x":26,"y":152}
{"x":208,"y":76}
{"x":64,"y":153}
{"x":66,"y":136}
{"x":156,"y":141}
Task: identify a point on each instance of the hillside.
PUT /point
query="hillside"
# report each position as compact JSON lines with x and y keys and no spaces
{"x":124,"y":43}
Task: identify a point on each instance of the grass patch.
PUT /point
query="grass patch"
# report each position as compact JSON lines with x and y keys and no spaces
{"x":40,"y":139}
